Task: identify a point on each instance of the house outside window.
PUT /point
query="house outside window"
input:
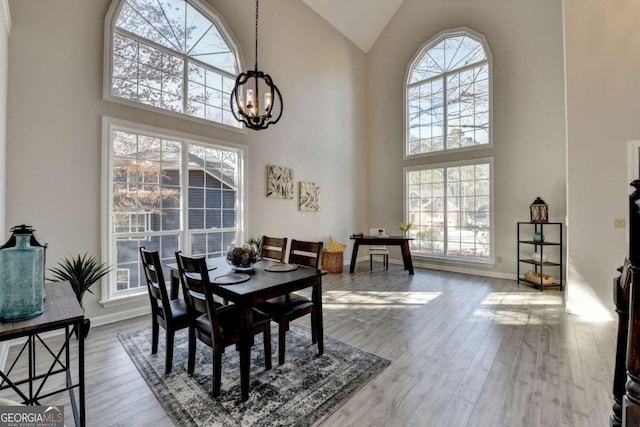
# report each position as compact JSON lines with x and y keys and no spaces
{"x":175,"y":57}
{"x":450,"y":207}
{"x":167,"y":192}
{"x":448,"y":110}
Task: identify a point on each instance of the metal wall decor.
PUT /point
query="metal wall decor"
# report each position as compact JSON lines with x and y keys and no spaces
{"x":252,"y":83}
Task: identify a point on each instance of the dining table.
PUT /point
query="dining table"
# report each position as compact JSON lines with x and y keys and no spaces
{"x":261,"y":286}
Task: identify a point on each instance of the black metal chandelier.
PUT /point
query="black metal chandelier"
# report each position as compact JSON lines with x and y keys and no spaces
{"x":248,"y":110}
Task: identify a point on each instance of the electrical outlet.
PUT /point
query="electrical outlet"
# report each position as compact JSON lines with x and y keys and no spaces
{"x":498,"y":259}
{"x":619,"y":223}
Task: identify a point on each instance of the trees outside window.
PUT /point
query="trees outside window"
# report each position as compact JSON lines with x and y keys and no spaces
{"x":448,"y":95}
{"x":171,"y":55}
{"x":448,"y":110}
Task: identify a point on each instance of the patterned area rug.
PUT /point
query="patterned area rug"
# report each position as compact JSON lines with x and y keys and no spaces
{"x":302,"y":392}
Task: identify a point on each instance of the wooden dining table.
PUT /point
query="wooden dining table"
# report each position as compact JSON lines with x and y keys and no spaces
{"x":261,"y":286}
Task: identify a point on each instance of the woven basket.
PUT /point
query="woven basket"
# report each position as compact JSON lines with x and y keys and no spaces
{"x":532,"y":277}
{"x":332,"y":261}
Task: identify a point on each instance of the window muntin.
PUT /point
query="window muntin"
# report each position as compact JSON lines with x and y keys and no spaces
{"x":170,"y":55}
{"x":450,"y":207}
{"x":149,"y":207}
{"x":448,"y":95}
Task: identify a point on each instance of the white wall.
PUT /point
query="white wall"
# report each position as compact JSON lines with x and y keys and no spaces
{"x":602,"y":45}
{"x":56,"y":104}
{"x":525,"y":38}
{"x":5,"y":28}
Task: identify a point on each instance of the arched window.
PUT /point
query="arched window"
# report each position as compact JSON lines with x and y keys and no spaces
{"x":448,"y":108}
{"x":172,"y":55}
{"x":448,"y":94}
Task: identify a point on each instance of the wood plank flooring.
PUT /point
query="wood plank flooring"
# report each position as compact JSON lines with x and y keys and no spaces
{"x":464,"y":351}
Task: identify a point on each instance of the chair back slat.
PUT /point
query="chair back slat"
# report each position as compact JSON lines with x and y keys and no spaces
{"x":194,"y":278}
{"x":156,"y":286}
{"x":305,"y":253}
{"x":273,"y":248}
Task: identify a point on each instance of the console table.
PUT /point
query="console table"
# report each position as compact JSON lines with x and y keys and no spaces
{"x":401,"y":241}
{"x":61,"y":311}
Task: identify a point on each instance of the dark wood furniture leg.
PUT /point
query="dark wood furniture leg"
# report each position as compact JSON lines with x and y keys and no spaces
{"x":246,"y":320}
{"x":354,"y":256}
{"x":175,"y":283}
{"x":620,"y":372}
{"x":631,"y":400}
{"x":317,"y":309}
{"x":406,"y":256}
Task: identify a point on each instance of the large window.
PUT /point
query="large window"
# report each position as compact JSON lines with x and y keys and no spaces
{"x":448,"y":110}
{"x":167,"y":192}
{"x":450,"y":208}
{"x":448,"y":94}
{"x":171,"y":55}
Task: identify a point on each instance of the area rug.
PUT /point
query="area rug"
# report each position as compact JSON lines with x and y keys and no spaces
{"x":302,"y":392}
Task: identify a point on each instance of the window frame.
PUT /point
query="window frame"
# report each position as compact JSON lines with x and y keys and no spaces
{"x":453,"y":32}
{"x":107,"y":83}
{"x":445,"y":165}
{"x":110,"y":295}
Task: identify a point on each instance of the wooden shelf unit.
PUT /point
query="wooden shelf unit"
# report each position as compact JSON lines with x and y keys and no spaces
{"x":554,"y":261}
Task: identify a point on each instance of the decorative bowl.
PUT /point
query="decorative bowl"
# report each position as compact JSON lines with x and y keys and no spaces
{"x":242,"y":257}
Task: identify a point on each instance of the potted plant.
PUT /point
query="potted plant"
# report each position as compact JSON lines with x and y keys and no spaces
{"x":82,"y":272}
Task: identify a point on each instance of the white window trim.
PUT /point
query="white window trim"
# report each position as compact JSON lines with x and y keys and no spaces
{"x":492,"y":259}
{"x":109,"y":124}
{"x":107,"y":79}
{"x":452,"y":32}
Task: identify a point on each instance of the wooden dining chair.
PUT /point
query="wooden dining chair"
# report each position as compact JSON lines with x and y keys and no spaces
{"x":286,"y":308}
{"x":215,"y":325}
{"x":171,"y":314}
{"x":273,"y":248}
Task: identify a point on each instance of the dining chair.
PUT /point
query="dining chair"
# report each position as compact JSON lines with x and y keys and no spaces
{"x":171,"y":314}
{"x":273,"y":248}
{"x":375,"y":250}
{"x":286,"y":308}
{"x":217,"y":326}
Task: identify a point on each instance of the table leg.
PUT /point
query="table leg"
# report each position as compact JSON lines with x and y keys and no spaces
{"x":175,"y":284}
{"x":81,"y":373}
{"x":246,"y":320}
{"x":316,"y":296}
{"x":406,"y":256}
{"x":354,"y":256}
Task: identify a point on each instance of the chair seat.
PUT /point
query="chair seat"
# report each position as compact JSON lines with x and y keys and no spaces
{"x":378,"y":250}
{"x":178,"y":307}
{"x":229,"y":319}
{"x":286,"y":306}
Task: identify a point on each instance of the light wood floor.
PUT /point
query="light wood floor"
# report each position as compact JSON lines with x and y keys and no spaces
{"x":464,"y":351}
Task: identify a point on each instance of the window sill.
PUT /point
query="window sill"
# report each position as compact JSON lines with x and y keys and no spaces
{"x":124,"y":299}
{"x":462,"y":261}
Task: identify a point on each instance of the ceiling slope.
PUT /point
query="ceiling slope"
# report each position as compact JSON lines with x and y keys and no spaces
{"x":361,"y":21}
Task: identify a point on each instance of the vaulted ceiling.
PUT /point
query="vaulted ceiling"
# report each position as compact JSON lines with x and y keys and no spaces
{"x":361,"y":21}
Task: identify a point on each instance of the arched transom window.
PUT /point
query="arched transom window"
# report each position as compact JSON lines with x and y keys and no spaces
{"x":173,"y":55}
{"x":448,"y":94}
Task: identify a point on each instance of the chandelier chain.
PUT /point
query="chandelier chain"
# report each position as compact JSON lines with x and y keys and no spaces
{"x":257,"y":35}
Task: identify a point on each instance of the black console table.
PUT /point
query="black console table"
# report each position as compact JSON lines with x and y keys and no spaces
{"x":61,"y":311}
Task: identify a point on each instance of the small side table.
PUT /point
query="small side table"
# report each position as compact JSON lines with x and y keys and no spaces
{"x":61,"y":311}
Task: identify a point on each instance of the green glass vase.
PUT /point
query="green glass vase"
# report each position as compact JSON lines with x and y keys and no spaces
{"x":21,"y":279}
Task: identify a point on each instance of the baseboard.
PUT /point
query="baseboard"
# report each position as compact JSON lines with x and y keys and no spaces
{"x":455,"y":269}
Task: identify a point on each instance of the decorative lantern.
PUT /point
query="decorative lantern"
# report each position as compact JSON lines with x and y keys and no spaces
{"x":539,"y":211}
{"x":21,"y":275}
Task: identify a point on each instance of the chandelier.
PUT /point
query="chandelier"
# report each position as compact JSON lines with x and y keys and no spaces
{"x":252,"y":83}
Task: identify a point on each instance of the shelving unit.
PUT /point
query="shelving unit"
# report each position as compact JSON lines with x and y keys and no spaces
{"x":550,"y":246}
